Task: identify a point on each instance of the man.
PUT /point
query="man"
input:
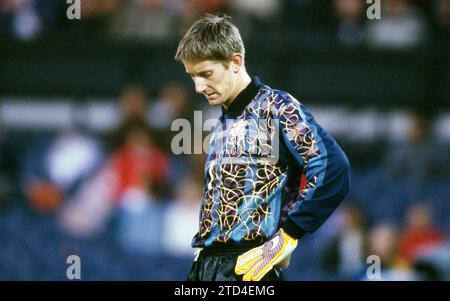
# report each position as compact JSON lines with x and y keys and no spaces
{"x":272,"y":173}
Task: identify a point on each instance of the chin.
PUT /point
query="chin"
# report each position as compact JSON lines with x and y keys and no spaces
{"x":215,"y":102}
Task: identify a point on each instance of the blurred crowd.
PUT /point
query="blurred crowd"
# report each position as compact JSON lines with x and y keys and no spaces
{"x":403,"y":23}
{"x":129,"y":206}
{"x":128,"y":185}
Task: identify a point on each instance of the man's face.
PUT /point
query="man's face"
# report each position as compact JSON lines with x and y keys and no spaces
{"x":213,"y":79}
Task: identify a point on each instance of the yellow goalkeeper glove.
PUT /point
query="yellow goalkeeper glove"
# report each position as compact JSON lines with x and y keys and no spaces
{"x":257,"y":262}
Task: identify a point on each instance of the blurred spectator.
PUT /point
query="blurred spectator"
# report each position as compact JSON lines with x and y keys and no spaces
{"x":71,"y":157}
{"x":142,"y":172}
{"x":133,"y":106}
{"x":180,"y":221}
{"x":173,"y":102}
{"x":261,"y":9}
{"x":258,"y":18}
{"x":133,"y":102}
{"x":138,"y":162}
{"x":420,"y":159}
{"x":139,"y":222}
{"x":401,"y":26}
{"x":19,"y":19}
{"x":383,"y":242}
{"x":350,"y":16}
{"x":136,"y":156}
{"x":145,"y":20}
{"x":136,"y":171}
{"x":95,"y":18}
{"x":419,"y":235}
{"x":345,"y":254}
{"x":88,"y":212}
{"x":54,"y":168}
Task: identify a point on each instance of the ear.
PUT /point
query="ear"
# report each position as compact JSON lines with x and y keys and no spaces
{"x":237,"y":61}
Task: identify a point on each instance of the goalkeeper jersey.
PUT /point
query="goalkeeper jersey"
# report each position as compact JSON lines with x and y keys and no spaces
{"x":269,"y":165}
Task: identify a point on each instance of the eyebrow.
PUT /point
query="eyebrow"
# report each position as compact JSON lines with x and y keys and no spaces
{"x":201,"y":72}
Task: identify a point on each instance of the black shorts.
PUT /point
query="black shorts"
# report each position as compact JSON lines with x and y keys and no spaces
{"x":219,"y":266}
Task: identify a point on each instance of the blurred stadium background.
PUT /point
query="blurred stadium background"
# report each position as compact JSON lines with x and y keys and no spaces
{"x":86,"y":108}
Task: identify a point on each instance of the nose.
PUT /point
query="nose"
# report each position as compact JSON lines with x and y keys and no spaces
{"x":200,"y":85}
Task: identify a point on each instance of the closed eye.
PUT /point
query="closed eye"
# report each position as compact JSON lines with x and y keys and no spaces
{"x":205,"y":74}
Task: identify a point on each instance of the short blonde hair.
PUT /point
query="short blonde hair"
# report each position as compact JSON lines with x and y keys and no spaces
{"x":212,"y":37}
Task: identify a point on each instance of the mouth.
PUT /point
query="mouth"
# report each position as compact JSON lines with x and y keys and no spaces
{"x":211,"y":96}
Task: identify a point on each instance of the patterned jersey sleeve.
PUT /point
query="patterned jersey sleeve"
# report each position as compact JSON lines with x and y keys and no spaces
{"x":324,"y":165}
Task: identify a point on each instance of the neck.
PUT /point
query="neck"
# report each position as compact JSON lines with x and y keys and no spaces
{"x":242,"y":83}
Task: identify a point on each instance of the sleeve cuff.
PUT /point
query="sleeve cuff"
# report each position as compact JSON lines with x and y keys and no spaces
{"x":293,"y":230}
